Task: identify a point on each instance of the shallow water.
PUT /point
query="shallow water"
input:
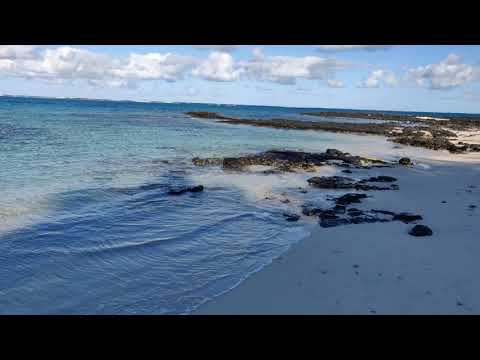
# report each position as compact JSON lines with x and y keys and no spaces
{"x":86,"y":225}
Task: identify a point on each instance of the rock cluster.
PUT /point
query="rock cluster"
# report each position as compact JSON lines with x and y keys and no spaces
{"x":341,"y":182}
{"x":289,"y":161}
{"x":431,"y":134}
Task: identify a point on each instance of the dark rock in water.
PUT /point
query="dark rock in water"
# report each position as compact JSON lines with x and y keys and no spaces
{"x":394,"y":187}
{"x":384,"y":212}
{"x":472,"y":207}
{"x":405,"y":161}
{"x":327,"y":223}
{"x":207,"y":162}
{"x":193,"y":189}
{"x":271,"y":172}
{"x":285,"y":201}
{"x":308,"y":210}
{"x":367,"y":219}
{"x":406,"y":217}
{"x":332,"y":182}
{"x":348,"y":199}
{"x":339,"y":209}
{"x":421,"y":230}
{"x":328,"y":215}
{"x":347,"y":171}
{"x":366,"y":187}
{"x":286,"y":160}
{"x":355,"y":212}
{"x":334,"y":152}
{"x":291,"y":217}
{"x":382,"y":179}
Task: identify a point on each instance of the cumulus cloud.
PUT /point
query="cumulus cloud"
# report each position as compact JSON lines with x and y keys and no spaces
{"x":448,"y":73}
{"x":219,"y":66}
{"x":154,"y":66}
{"x":98,"y":69}
{"x":379,"y":77}
{"x":221,"y":48}
{"x":352,"y":47}
{"x":68,"y":65}
{"x":16,"y":51}
{"x":286,"y":69}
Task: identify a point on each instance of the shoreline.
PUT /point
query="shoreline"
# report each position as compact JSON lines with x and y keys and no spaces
{"x":428,"y":133}
{"x":380,"y":269}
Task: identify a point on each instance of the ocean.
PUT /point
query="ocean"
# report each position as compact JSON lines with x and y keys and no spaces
{"x":86,"y":222}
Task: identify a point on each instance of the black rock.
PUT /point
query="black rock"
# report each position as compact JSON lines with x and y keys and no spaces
{"x":355,"y":212}
{"x":327,"y":223}
{"x":328,"y":215}
{"x":348,"y":199}
{"x":405,"y":161}
{"x":339,"y":209}
{"x":347,"y":171}
{"x":421,"y":230}
{"x":334,"y":152}
{"x":366,"y":219}
{"x":291,"y":217}
{"x":406,"y":217}
{"x":332,"y":182}
{"x":382,"y":179}
{"x":384,"y":212}
{"x":193,"y":189}
{"x":308,"y":210}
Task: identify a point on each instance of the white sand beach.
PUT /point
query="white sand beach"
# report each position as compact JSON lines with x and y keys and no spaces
{"x":380,"y":268}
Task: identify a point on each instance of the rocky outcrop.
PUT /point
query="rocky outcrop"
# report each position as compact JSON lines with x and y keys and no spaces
{"x":405,"y":161}
{"x":406,"y":217}
{"x":348,"y":199}
{"x":332,"y":182}
{"x":420,"y":231}
{"x":421,"y":132}
{"x":289,"y":161}
{"x":291,"y":217}
{"x":194,"y":189}
{"x":341,"y":182}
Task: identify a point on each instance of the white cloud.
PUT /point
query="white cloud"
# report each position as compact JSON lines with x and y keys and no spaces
{"x":286,"y":70}
{"x":353,"y":47}
{"x":98,"y":69}
{"x":221,"y":48}
{"x":335,"y":83}
{"x":378,"y":77}
{"x":219,"y":66}
{"x":16,"y":51}
{"x":60,"y":63}
{"x":154,"y":66}
{"x":447,"y":74}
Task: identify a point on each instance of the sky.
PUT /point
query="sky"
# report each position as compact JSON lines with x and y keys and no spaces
{"x":433,"y":78}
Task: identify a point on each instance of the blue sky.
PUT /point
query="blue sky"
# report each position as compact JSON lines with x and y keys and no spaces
{"x":401,"y":77}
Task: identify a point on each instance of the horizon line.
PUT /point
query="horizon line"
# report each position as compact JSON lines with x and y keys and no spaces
{"x":220,"y":104}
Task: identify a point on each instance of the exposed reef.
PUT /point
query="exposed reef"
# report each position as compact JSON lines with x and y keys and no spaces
{"x":430,"y":133}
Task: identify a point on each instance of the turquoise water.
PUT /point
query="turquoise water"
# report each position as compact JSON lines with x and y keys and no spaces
{"x":87,"y":227}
